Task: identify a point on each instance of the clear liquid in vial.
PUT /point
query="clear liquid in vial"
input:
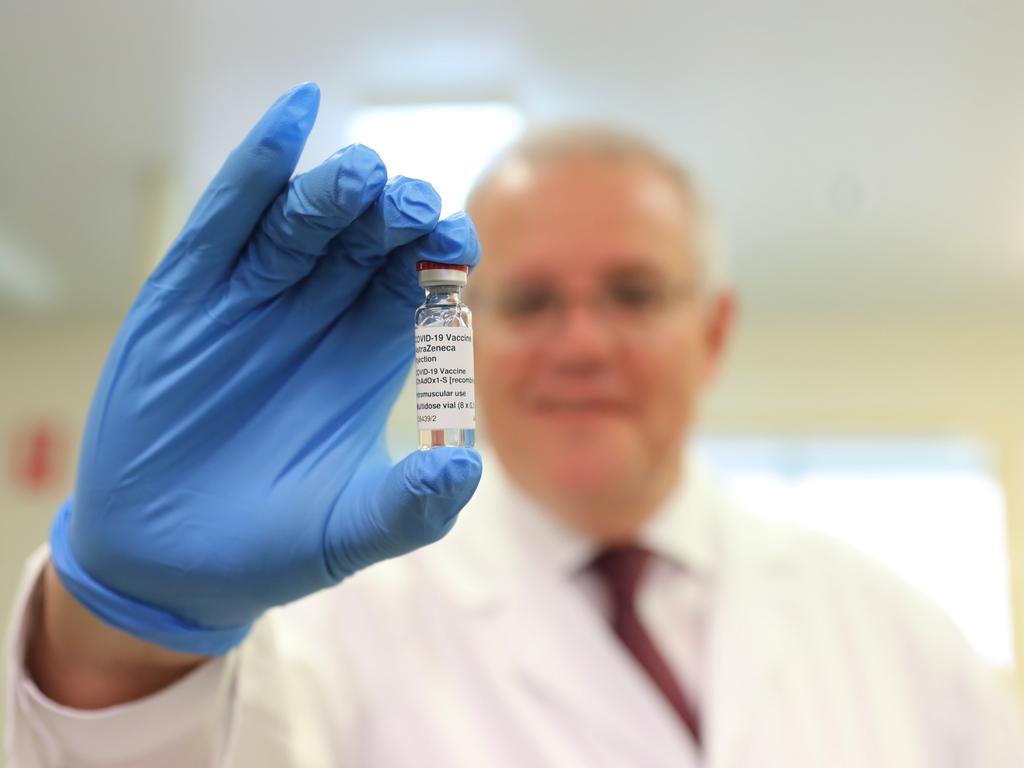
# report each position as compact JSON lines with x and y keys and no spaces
{"x":439,"y":438}
{"x":443,"y":309}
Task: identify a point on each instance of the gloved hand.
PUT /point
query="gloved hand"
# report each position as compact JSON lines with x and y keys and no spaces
{"x":234,"y":455}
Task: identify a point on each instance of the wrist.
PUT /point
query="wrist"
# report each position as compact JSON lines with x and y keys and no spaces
{"x":79,"y":661}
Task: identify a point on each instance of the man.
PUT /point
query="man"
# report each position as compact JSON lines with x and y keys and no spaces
{"x":598,"y":604}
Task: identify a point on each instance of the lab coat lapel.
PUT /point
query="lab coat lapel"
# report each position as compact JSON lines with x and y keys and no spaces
{"x":561,"y":652}
{"x":569,"y":661}
{"x":754,"y":613}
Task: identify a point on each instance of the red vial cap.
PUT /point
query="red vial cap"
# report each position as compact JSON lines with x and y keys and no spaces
{"x":422,"y":265}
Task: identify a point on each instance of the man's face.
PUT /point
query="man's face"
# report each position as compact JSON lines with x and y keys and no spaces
{"x":593,"y":343}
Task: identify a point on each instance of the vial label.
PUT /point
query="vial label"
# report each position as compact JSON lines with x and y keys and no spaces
{"x":444,"y":378}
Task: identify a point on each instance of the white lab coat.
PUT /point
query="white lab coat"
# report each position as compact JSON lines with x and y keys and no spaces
{"x":469,"y":654}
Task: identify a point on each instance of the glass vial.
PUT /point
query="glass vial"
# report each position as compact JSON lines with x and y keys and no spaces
{"x":445,"y":399}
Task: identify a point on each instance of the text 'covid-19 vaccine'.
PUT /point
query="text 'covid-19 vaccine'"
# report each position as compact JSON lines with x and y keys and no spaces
{"x":445,"y":400}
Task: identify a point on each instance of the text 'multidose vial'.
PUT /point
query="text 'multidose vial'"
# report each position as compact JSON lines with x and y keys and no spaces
{"x":445,"y":401}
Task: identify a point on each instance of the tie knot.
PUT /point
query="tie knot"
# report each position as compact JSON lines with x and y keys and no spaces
{"x":622,"y":568}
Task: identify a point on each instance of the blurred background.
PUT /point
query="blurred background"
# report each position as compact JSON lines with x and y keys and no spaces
{"x":866,"y":161}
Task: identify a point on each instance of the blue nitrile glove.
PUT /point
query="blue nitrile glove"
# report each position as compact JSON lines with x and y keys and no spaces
{"x":234,"y":456}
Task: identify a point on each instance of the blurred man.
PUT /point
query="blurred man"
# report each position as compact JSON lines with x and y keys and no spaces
{"x":600,"y":603}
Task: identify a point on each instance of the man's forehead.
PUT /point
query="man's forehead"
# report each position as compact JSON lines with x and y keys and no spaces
{"x":524,"y":181}
{"x":582,"y":212}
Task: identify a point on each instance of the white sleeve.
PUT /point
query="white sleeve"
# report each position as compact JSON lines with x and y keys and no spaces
{"x":284,"y":698}
{"x":183,"y":724}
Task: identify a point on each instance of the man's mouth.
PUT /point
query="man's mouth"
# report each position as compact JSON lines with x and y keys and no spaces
{"x":581,"y":406}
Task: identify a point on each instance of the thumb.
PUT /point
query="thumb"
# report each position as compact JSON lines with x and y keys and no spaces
{"x":391,"y":511}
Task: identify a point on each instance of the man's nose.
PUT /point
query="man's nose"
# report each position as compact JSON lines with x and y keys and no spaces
{"x":583,"y":338}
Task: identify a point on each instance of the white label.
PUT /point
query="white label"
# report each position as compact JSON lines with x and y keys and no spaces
{"x":444,"y":378}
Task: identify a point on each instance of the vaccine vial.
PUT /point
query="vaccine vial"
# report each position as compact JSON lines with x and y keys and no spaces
{"x":445,"y":400}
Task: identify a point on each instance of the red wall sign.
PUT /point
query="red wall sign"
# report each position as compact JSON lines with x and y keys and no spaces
{"x":37,"y":453}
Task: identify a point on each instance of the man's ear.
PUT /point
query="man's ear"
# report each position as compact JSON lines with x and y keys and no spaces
{"x":720,"y":318}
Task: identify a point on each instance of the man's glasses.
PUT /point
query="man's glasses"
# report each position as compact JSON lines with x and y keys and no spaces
{"x":537,"y":310}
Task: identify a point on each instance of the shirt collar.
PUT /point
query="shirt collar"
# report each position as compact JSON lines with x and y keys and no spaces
{"x":680,"y":531}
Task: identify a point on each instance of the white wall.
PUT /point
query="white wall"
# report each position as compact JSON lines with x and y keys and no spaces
{"x":941,"y":375}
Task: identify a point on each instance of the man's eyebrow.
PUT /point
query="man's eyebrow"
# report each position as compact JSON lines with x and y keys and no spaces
{"x":636,"y":267}
{"x":537,"y":277}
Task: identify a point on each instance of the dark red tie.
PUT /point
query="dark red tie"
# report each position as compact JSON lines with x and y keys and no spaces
{"x":622,"y":568}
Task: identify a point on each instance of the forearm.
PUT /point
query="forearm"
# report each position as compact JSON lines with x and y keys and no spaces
{"x":77,"y":660}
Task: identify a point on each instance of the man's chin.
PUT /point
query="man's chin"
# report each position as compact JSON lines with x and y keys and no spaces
{"x":594,"y":467}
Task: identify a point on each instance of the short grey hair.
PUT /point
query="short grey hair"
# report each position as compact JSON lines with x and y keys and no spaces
{"x":585,"y":141}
